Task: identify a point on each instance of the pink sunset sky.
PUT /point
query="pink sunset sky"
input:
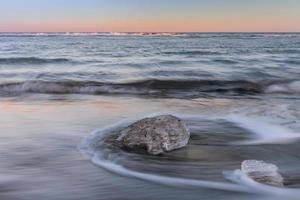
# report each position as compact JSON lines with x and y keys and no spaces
{"x":150,"y":16}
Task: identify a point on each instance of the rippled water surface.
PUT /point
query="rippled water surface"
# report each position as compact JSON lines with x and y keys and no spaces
{"x":64,"y":97}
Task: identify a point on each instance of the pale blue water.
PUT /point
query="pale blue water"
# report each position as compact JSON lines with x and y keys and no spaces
{"x":238,"y":92}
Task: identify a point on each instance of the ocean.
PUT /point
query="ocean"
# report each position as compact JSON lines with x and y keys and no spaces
{"x":63,"y":96}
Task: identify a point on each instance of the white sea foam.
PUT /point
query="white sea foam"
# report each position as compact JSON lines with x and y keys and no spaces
{"x":291,"y":87}
{"x":170,"y":181}
{"x":67,"y":88}
{"x":237,"y":176}
{"x":264,"y":132}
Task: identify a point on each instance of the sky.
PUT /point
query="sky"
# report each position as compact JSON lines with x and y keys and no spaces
{"x":150,"y":15}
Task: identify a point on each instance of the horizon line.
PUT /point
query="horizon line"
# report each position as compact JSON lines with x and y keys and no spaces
{"x":149,"y":31}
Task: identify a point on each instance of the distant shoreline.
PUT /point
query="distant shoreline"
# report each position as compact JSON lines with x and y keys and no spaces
{"x":53,"y":32}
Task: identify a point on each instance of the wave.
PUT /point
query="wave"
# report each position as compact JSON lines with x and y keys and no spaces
{"x":153,"y":88}
{"x":192,"y":52}
{"x":237,"y":176}
{"x":287,"y":87}
{"x":283,"y":51}
{"x":31,"y":60}
{"x":226,"y":61}
{"x":265,"y":132}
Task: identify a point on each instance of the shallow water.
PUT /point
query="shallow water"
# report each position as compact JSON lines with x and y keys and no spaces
{"x":64,"y":97}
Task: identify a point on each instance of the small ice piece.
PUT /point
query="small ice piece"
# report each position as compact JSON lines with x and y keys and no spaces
{"x":262,"y":172}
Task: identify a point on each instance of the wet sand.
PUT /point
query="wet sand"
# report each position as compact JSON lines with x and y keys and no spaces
{"x":41,"y":158}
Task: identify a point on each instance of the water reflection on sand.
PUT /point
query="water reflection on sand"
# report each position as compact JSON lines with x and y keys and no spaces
{"x":40,"y":159}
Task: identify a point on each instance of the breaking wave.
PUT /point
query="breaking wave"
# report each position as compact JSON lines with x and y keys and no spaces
{"x":192,"y":52}
{"x":152,"y":88}
{"x":31,"y":60}
{"x":266,"y":133}
{"x":159,"y":88}
{"x":286,"y":88}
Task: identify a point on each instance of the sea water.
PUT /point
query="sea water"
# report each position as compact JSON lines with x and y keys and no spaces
{"x":64,"y":97}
